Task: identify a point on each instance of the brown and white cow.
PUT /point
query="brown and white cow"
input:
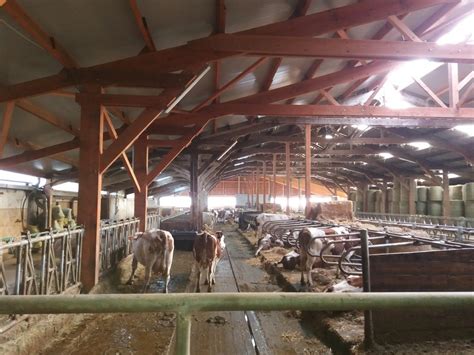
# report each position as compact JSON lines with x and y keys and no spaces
{"x":350,"y":284}
{"x":311,"y":242}
{"x":207,"y":251}
{"x":153,"y":249}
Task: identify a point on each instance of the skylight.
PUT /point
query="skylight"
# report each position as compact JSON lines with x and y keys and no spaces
{"x":420,"y":145}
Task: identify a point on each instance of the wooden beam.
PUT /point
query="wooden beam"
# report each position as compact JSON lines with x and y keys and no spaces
{"x":329,"y":97}
{"x":126,"y":162}
{"x":429,"y":92}
{"x":38,"y":154}
{"x":121,"y":100}
{"x":177,"y":58}
{"x":6,"y":123}
{"x":371,"y":112}
{"x":403,"y":29}
{"x":90,"y":186}
{"x":446,"y":198}
{"x":16,"y":12}
{"x":140,"y":166}
{"x":453,"y":80}
{"x":21,"y":144}
{"x":230,"y":84}
{"x":461,"y":84}
{"x":220,"y":16}
{"x":163,"y":143}
{"x":172,"y":154}
{"x":47,"y":116}
{"x":142,"y":26}
{"x":283,"y":46}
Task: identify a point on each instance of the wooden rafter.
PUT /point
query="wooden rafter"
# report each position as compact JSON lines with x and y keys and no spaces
{"x":403,"y":29}
{"x":177,"y":58}
{"x":47,"y":116}
{"x":16,"y":12}
{"x":126,"y":161}
{"x":142,"y":25}
{"x":336,"y":48}
{"x":6,"y":122}
{"x":429,"y":92}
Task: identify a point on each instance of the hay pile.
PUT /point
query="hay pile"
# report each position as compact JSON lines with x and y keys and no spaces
{"x":331,"y":210}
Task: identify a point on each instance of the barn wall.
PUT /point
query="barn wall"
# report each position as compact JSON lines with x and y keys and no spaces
{"x":451,"y":270}
{"x":10,"y":211}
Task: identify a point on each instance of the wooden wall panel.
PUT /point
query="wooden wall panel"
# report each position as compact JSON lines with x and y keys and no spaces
{"x":438,"y":270}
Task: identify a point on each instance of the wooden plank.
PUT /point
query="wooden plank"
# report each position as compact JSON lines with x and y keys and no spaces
{"x":441,"y":270}
{"x":283,"y":46}
{"x":16,"y":12}
{"x":329,"y":97}
{"x":6,"y":122}
{"x":90,"y":186}
{"x":142,"y":25}
{"x":122,"y":100}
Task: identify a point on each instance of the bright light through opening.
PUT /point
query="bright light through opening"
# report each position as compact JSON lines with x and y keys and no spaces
{"x":175,"y":201}
{"x":386,"y":155}
{"x":9,"y":178}
{"x":467,"y":129}
{"x":67,"y":186}
{"x":420,"y":145}
{"x":361,"y":127}
{"x":216,"y":202}
{"x":463,"y":32}
{"x":329,"y":136}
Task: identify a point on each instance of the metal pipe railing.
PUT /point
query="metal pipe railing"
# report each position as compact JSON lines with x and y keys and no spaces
{"x":185,"y":304}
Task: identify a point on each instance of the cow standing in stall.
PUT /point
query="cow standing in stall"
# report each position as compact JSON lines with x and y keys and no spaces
{"x":267,"y":217}
{"x":311,"y":243}
{"x":207,"y":251}
{"x":153,"y":249}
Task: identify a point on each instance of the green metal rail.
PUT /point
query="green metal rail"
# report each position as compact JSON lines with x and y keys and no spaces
{"x":186,"y":304}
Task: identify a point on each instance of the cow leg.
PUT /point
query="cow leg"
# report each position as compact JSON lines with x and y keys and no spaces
{"x":213,"y":281}
{"x":167,"y":270}
{"x":303,"y":268}
{"x":309,"y":267}
{"x":147,"y":277}
{"x":134,"y":268}
{"x":210,"y":276}
{"x":198,"y":289}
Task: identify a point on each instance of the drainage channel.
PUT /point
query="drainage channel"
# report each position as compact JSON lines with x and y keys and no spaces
{"x":257,"y":337}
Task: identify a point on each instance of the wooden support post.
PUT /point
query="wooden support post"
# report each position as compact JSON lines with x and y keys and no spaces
{"x":446,"y":201}
{"x":453,"y":79}
{"x":194,"y":189}
{"x":257,"y":189}
{"x":274,"y":183}
{"x":238,"y":185}
{"x":264,"y":168}
{"x":6,"y":122}
{"x":383,"y":204}
{"x":140,"y":164}
{"x":90,"y":186}
{"x":412,"y":196}
{"x":288,"y":177}
{"x":307,"y":176}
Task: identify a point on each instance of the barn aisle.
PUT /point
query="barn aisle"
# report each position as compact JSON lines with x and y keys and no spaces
{"x":229,"y":332}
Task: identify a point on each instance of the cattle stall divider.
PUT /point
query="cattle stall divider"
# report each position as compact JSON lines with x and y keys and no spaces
{"x":184,"y":305}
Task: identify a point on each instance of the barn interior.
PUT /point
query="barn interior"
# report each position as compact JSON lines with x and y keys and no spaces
{"x":119,"y":117}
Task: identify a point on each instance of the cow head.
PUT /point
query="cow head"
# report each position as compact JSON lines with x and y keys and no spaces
{"x":219,"y":235}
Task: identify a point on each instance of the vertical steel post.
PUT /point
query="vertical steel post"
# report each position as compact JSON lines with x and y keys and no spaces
{"x":446,"y":201}
{"x":183,"y":334}
{"x":368,"y":324}
{"x":264,"y":172}
{"x":194,"y":189}
{"x":274,"y":183}
{"x":257,"y":189}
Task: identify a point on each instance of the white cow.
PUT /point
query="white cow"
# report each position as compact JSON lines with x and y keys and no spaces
{"x":153,"y":249}
{"x":351,"y":284}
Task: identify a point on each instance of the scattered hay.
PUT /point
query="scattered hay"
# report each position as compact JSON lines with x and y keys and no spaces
{"x":291,"y":337}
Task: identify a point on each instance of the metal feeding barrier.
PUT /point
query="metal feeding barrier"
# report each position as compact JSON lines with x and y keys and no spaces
{"x":457,"y":228}
{"x":184,"y":305}
{"x":50,"y":262}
